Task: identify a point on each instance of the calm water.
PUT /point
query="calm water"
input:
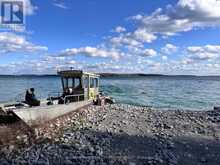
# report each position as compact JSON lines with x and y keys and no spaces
{"x":194,"y":93}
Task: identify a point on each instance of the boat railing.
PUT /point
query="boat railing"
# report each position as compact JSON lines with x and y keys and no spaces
{"x":54,"y":94}
{"x":72,"y":96}
{"x":57,"y":95}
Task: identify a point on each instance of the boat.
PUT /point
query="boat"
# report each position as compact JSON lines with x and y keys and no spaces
{"x":79,"y":89}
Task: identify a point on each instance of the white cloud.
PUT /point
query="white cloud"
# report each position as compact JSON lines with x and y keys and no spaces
{"x":91,"y":52}
{"x":119,"y":29}
{"x":186,"y":15}
{"x":200,"y":8}
{"x":201,"y":53}
{"x":11,"y":42}
{"x":164,"y":58}
{"x":207,"y":48}
{"x":53,"y":58}
{"x":136,"y":17}
{"x":135,"y":52}
{"x":72,"y":62}
{"x":144,"y":36}
{"x":149,"y":52}
{"x":169,"y":49}
{"x":184,"y":66}
{"x":60,"y":5}
{"x":154,"y":66}
{"x":124,"y":40}
{"x":135,"y":39}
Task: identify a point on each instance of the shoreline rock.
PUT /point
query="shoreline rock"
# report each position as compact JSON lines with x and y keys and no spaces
{"x":124,"y":134}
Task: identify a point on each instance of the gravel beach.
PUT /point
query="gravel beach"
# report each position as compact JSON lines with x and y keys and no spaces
{"x":121,"y":134}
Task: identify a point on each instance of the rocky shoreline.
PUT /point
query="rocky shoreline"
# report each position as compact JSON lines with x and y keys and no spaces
{"x":122,"y":134}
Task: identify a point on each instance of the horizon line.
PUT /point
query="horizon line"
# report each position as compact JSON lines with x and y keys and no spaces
{"x":119,"y":74}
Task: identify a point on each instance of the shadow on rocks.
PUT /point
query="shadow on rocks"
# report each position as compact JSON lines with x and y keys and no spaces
{"x":91,"y":147}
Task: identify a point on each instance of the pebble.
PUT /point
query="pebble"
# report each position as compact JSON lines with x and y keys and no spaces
{"x":11,"y":148}
{"x":203,"y":160}
{"x":170,"y":145}
{"x":166,"y":126}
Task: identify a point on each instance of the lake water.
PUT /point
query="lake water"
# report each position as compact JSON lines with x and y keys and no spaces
{"x":165,"y":92}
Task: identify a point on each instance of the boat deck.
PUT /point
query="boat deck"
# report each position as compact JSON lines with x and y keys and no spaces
{"x":41,"y":114}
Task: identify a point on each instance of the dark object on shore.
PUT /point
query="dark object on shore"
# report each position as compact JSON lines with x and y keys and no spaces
{"x":217,"y":108}
{"x":102,"y":99}
{"x":109,"y":100}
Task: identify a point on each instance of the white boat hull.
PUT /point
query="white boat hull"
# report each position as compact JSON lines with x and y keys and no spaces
{"x":39,"y":115}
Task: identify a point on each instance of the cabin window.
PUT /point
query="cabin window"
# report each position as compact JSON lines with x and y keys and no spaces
{"x":77,"y":83}
{"x":96,"y":82}
{"x":70,"y":82}
{"x":92,"y":83}
{"x":86,"y":82}
{"x":66,"y":83}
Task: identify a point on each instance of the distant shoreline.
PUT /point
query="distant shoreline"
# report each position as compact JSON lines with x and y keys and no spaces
{"x":106,"y":75}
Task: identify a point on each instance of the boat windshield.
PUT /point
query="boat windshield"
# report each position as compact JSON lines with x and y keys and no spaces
{"x":72,"y":83}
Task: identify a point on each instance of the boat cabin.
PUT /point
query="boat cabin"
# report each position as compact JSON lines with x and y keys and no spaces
{"x":78,"y":85}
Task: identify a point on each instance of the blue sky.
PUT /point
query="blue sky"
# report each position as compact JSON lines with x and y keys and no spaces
{"x":163,"y":36}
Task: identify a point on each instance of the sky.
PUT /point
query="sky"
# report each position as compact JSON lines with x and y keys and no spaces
{"x":118,"y":36}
